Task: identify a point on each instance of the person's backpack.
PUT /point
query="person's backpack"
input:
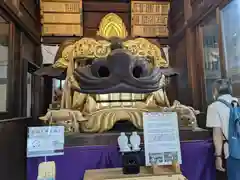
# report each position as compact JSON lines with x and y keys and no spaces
{"x":233,"y":128}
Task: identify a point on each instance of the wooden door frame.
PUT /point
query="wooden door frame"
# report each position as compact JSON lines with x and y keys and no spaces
{"x":199,"y":57}
{"x":199,"y":53}
{"x":10,"y":67}
{"x":221,"y":45}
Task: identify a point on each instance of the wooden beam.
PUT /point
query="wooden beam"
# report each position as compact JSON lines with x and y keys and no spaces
{"x":15,"y":16}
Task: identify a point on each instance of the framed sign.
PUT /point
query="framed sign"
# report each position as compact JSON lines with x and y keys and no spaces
{"x":45,"y":141}
{"x":149,"y":18}
{"x":161,"y":138}
{"x":62,"y":18}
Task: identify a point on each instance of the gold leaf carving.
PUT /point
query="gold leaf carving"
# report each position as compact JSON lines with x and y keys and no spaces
{"x":142,"y":47}
{"x":112,"y":26}
{"x":84,"y":48}
{"x":63,"y":61}
{"x":91,"y":48}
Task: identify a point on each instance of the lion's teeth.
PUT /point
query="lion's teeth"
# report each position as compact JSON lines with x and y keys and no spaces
{"x":125,"y":96}
{"x":114,"y":96}
{"x":119,"y":97}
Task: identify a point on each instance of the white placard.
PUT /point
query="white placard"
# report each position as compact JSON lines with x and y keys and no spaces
{"x":161,"y":138}
{"x":49,"y":53}
{"x":45,"y":141}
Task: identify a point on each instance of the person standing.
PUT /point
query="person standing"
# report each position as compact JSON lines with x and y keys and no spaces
{"x":222,"y":116}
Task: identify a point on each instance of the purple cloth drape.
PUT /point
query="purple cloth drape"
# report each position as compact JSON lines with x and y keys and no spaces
{"x":197,"y":157}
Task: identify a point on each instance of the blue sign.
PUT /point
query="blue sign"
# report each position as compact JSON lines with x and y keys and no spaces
{"x":45,"y":141}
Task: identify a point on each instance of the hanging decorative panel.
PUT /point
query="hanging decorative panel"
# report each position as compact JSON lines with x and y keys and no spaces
{"x":62,"y":18}
{"x":149,"y":18}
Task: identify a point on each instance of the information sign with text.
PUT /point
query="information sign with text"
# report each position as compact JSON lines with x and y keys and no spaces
{"x":45,"y":141}
{"x":161,"y":138}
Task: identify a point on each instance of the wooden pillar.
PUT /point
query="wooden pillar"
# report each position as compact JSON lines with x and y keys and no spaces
{"x":47,"y":92}
{"x":191,"y":51}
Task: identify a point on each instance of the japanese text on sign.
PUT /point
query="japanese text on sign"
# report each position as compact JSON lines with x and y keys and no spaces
{"x":61,"y":18}
{"x":149,"y":19}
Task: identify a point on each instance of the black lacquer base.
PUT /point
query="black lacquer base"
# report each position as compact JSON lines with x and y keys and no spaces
{"x":131,"y":162}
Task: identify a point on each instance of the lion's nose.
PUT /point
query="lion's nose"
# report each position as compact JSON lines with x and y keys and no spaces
{"x":120,"y":64}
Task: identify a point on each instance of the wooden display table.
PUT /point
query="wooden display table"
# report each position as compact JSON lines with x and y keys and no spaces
{"x":116,"y":174}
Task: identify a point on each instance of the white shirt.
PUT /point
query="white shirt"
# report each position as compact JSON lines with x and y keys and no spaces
{"x":218,"y":116}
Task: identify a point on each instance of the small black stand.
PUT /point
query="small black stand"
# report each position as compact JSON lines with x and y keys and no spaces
{"x":131,"y":162}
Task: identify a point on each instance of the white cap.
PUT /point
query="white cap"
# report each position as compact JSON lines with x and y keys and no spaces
{"x":122,"y":133}
{"x":134,"y":133}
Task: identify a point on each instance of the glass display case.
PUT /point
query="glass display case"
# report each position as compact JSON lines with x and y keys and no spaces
{"x":212,"y":65}
{"x":231,"y":39}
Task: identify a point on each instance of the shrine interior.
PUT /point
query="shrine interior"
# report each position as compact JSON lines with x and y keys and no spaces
{"x":46,"y":45}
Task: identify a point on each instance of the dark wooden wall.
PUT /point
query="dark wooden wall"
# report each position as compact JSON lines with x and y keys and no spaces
{"x":24,"y":56}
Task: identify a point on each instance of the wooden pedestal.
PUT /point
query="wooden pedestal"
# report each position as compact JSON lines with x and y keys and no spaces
{"x":146,"y":173}
{"x":169,"y":169}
